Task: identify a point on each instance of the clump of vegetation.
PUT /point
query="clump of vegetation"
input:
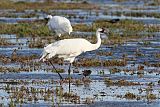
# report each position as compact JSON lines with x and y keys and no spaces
{"x":95,"y":62}
{"x":119,"y":82}
{"x":89,"y":100}
{"x":155,"y":64}
{"x":78,"y":82}
{"x":157,"y":55}
{"x":114,"y":70}
{"x":101,"y":53}
{"x":108,"y":81}
{"x":120,"y":0}
{"x":140,"y":67}
{"x":59,"y":70}
{"x":146,"y":43}
{"x":114,"y":63}
{"x":13,"y":69}
{"x":4,"y":42}
{"x":71,"y":97}
{"x":4,"y":59}
{"x":87,"y":62}
{"x":151,"y":96}
{"x":129,"y":95}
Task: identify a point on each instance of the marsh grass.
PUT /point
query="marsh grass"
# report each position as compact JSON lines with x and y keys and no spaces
{"x":45,"y":6}
{"x":121,"y":82}
{"x":86,"y":62}
{"x":24,"y":29}
{"x":136,"y":14}
{"x":129,"y":95}
{"x":127,"y":30}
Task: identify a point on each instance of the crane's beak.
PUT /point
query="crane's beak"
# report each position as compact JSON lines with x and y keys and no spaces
{"x":46,"y":20}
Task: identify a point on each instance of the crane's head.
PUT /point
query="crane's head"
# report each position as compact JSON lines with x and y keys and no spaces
{"x":48,"y":18}
{"x":100,"y":30}
{"x":103,"y":32}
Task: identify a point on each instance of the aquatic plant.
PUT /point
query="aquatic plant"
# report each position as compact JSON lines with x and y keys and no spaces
{"x":101,"y":53}
{"x":86,"y":62}
{"x":4,"y":42}
{"x":12,"y":104}
{"x":114,"y":63}
{"x":151,"y":96}
{"x":89,"y":100}
{"x":157,"y":55}
{"x":108,"y":81}
{"x":114,"y":70}
{"x":129,"y":95}
{"x":140,"y":67}
{"x":59,"y":70}
{"x":77,"y":82}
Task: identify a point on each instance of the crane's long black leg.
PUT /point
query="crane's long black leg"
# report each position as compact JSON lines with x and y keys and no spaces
{"x":56,"y":70}
{"x":69,"y":71}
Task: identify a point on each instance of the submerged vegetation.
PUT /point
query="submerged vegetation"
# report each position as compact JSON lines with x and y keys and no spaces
{"x":110,"y":82}
{"x":124,"y":68}
{"x":95,"y":62}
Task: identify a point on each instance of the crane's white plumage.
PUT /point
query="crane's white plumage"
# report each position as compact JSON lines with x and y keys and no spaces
{"x":70,"y":48}
{"x":59,"y":25}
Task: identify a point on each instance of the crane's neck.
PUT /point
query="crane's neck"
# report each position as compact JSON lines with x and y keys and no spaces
{"x":97,"y":45}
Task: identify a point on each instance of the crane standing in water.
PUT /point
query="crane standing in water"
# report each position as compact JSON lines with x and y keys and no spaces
{"x":69,"y":49}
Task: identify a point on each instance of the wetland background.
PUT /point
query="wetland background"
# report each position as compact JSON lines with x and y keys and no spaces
{"x":125,"y":69}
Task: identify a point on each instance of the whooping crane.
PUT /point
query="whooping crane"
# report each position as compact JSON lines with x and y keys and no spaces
{"x":69,"y":49}
{"x":59,"y":24}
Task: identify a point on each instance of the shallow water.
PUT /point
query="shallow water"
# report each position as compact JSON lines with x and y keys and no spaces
{"x":137,"y":51}
{"x":97,"y":85}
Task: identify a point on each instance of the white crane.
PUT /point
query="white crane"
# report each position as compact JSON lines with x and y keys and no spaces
{"x":69,"y":49}
{"x":59,"y":24}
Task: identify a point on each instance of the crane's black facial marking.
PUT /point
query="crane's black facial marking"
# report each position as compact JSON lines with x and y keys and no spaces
{"x":102,"y":31}
{"x":46,"y":20}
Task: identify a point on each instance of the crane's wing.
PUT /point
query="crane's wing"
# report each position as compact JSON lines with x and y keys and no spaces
{"x":49,"y":51}
{"x":52,"y":24}
{"x":52,"y":47}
